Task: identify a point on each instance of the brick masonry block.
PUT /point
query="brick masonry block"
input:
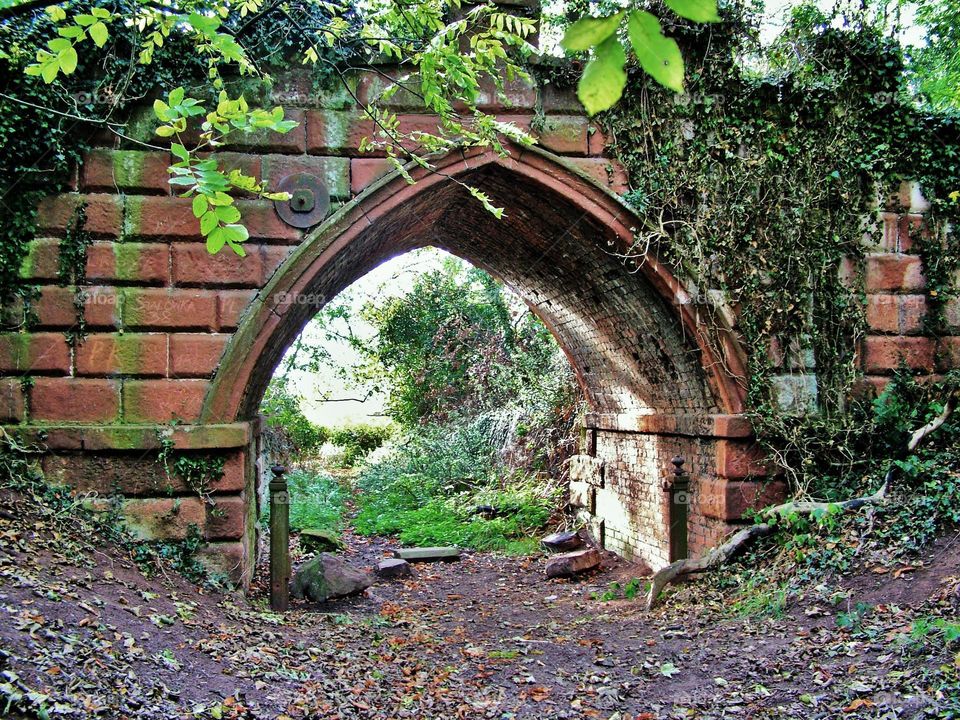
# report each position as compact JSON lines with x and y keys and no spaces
{"x":268,"y":141}
{"x":163,"y":400}
{"x":12,"y":404}
{"x":364,"y":171}
{"x":55,"y":308}
{"x":34,"y":353}
{"x":564,"y":134}
{"x":597,"y":139}
{"x":112,"y":354}
{"x":731,"y":499}
{"x":556,"y":100}
{"x":124,"y":262}
{"x":910,"y":228}
{"x":893,"y":272}
{"x":74,"y":400}
{"x":333,"y":171}
{"x":901,"y":314}
{"x":948,"y":353}
{"x":193,"y":266}
{"x":160,"y":219}
{"x":234,"y":475}
{"x":608,"y":173}
{"x":230,"y":307}
{"x":584,"y":468}
{"x":273,"y":257}
{"x":262,"y":221}
{"x":337,"y":132}
{"x":163,"y":518}
{"x":195,"y":354}
{"x":104,"y":213}
{"x":739,"y":459}
{"x":126,"y":171}
{"x":132,"y":474}
{"x":42,"y":260}
{"x":226,"y":518}
{"x":229,"y":558}
{"x":883,"y":355}
{"x":159,"y":309}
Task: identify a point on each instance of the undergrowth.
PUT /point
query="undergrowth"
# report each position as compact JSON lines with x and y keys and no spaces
{"x":923,"y":502}
{"x":445,"y":485}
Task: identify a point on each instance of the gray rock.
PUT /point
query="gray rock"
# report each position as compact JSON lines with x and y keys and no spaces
{"x":428,"y":554}
{"x":394,"y":568}
{"x":327,"y":577}
{"x":320,"y":540}
{"x":573,"y":563}
{"x":562,"y":542}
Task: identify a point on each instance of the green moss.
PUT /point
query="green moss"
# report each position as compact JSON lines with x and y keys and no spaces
{"x":126,"y":261}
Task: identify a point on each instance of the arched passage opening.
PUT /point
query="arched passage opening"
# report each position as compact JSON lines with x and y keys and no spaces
{"x":659,"y":375}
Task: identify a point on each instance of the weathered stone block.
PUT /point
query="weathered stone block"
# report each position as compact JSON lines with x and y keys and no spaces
{"x":893,"y":272}
{"x":573,"y":563}
{"x":161,"y":309}
{"x":75,"y":400}
{"x":126,"y":170}
{"x":582,"y":495}
{"x":730,"y":499}
{"x":196,"y":354}
{"x":32,"y":353}
{"x":587,"y":469}
{"x":107,"y":354}
{"x":163,"y":400}
{"x":163,"y":518}
{"x":883,"y":355}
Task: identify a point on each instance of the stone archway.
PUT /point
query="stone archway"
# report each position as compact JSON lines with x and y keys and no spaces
{"x":661,"y":375}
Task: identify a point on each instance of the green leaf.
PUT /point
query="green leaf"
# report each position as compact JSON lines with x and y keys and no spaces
{"x":236,"y":233}
{"x":208,"y":223}
{"x":199,"y":206}
{"x":49,"y":70}
{"x":99,"y":34}
{"x":604,"y":78}
{"x":164,"y":131}
{"x":586,"y":33}
{"x":228,"y":214}
{"x":180,"y":151}
{"x":204,"y":24}
{"x":658,"y":54}
{"x":68,"y":60}
{"x":216,"y":240}
{"x":176,"y":96}
{"x":697,"y":10}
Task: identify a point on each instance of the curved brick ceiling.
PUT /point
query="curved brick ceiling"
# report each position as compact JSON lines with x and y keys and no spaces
{"x":625,"y":344}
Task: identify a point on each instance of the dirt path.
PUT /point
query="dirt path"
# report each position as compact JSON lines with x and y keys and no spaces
{"x":486,"y":637}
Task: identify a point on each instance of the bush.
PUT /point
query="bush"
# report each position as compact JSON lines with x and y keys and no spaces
{"x":357,"y":441}
{"x":282,"y":408}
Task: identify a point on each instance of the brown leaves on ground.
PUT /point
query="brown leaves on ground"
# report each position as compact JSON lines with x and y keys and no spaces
{"x":84,"y":635}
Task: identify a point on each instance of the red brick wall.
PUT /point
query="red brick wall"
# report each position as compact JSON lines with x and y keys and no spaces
{"x":161,"y":316}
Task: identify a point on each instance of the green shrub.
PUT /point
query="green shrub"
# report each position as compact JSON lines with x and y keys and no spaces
{"x":282,"y":409}
{"x":357,"y":441}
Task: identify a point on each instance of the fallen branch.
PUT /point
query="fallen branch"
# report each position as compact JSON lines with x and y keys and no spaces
{"x":721,"y":554}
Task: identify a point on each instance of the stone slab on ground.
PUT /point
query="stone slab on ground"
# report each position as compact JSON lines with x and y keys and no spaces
{"x":394,"y":568}
{"x":573,"y":563}
{"x":428,"y":554}
{"x":562,"y":541}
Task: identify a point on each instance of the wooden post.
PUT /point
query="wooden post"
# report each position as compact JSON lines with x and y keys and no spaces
{"x":678,"y":497}
{"x":279,"y":540}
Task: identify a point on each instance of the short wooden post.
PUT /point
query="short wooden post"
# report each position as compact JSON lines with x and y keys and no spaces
{"x":279,"y":540}
{"x":678,"y":494}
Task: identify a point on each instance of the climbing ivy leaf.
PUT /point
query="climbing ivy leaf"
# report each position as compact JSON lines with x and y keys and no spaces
{"x":604,"y":78}
{"x":658,"y":55}
{"x":696,"y":10}
{"x":588,"y":32}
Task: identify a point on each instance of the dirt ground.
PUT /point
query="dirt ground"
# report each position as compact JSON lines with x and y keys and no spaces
{"x":487,"y":637}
